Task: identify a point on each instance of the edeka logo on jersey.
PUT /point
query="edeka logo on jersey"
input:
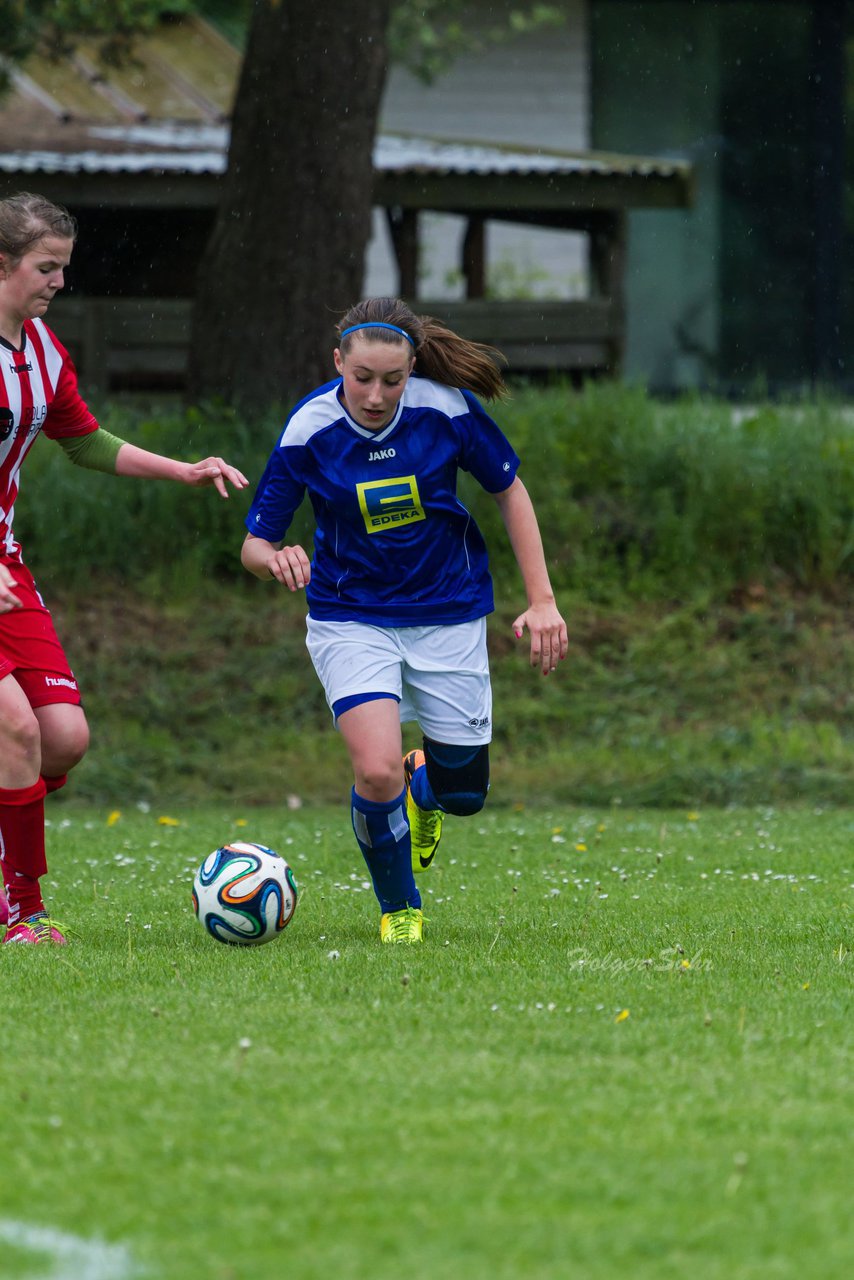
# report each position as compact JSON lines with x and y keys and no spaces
{"x":388,"y":504}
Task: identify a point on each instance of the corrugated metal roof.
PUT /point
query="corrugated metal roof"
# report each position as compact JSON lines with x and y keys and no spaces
{"x":168,"y":147}
{"x":167,"y":111}
{"x":399,"y":154}
{"x":178,"y":148}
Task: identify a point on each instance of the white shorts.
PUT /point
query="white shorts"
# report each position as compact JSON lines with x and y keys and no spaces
{"x":439,"y":674}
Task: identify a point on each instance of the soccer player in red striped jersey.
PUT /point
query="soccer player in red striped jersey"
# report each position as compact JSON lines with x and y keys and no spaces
{"x":43,"y":729}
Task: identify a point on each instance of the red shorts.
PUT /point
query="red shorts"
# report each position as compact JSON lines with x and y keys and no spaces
{"x":30,"y":648}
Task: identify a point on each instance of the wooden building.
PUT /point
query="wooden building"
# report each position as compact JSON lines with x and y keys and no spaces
{"x":137,"y":155}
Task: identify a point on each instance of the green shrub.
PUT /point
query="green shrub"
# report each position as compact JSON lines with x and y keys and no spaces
{"x":157,"y":535}
{"x":632,"y":495}
{"x":668,"y":498}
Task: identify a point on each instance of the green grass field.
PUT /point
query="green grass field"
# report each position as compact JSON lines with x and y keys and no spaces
{"x":622,"y":1051}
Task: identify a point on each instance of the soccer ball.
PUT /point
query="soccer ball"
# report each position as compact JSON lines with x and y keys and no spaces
{"x":244,"y":894}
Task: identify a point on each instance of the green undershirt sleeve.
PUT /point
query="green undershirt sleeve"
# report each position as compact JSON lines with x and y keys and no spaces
{"x":98,"y":450}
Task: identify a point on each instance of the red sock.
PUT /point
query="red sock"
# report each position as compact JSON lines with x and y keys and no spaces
{"x":55,"y":784}
{"x":22,"y":851}
{"x":24,"y":898}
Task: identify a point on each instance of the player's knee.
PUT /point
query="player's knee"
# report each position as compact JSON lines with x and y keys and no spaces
{"x":378,"y":779}
{"x":66,"y":756}
{"x":458,"y":776}
{"x":20,"y":739}
{"x":463,"y":803}
{"x":64,"y":744}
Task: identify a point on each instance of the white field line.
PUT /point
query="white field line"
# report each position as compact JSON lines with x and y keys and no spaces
{"x":70,"y":1257}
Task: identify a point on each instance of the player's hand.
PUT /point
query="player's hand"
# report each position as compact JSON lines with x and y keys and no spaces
{"x":8,"y":599}
{"x":290,"y":566}
{"x":215,"y":471}
{"x":549,"y":639}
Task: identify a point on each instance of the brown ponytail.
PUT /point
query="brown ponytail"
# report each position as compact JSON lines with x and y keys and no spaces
{"x":440,"y":353}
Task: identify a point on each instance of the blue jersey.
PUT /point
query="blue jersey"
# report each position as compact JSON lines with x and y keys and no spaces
{"x":393,"y":544}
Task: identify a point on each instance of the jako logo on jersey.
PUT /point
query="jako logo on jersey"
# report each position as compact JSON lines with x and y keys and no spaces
{"x":387,"y":504}
{"x":377,"y":455}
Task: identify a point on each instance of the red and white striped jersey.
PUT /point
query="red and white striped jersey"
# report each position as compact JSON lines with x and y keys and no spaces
{"x":38,"y":392}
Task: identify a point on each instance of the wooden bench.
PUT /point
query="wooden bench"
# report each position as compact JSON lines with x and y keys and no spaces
{"x":142,"y":343}
{"x":125,"y":343}
{"x":582,"y":337}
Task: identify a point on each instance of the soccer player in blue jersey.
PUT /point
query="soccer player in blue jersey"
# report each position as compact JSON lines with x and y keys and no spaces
{"x":399,"y":588}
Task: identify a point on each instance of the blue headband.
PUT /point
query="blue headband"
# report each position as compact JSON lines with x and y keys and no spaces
{"x":377,"y":324}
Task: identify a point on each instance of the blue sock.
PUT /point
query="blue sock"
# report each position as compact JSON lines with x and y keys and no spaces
{"x":383,"y":835}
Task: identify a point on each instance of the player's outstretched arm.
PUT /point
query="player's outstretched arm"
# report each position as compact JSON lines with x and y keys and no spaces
{"x":288,"y":565}
{"x":133,"y":461}
{"x":549,"y":641}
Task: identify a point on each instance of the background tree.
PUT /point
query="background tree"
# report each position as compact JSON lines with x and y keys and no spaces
{"x":287,"y":250}
{"x":286,"y":256}
{"x":55,"y":25}
{"x":427,"y":36}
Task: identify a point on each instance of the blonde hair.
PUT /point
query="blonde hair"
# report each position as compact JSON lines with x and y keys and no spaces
{"x":25,"y":219}
{"x":440,"y":353}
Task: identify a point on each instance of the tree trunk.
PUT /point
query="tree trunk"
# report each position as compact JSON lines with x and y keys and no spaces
{"x":286,"y":255}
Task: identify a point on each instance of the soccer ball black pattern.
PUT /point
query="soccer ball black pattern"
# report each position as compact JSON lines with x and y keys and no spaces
{"x":244,"y":894}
